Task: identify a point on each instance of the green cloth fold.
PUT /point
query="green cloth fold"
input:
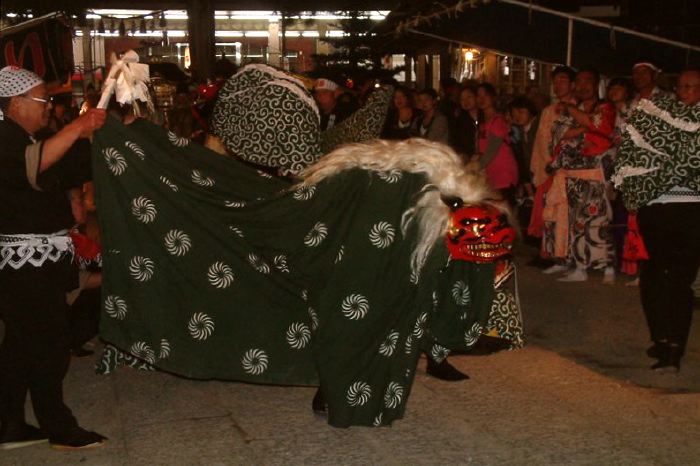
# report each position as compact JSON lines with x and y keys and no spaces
{"x":213,"y":270}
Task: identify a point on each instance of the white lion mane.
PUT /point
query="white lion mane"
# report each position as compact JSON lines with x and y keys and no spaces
{"x":446,"y":176}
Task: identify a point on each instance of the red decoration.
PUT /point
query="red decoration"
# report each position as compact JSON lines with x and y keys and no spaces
{"x":479,"y":233}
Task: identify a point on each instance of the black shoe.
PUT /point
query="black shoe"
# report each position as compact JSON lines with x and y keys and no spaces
{"x":81,"y":352}
{"x":77,"y":439}
{"x":444,"y":371}
{"x":540,"y":262}
{"x":20,"y":435}
{"x":655,"y":350}
{"x":669,"y":358}
{"x":318,"y":405}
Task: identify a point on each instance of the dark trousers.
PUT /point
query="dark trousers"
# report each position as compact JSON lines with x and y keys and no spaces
{"x":84,"y":317}
{"x":671,"y":233}
{"x":34,"y":355}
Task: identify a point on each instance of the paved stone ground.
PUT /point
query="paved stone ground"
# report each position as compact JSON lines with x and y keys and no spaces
{"x":581,"y":393}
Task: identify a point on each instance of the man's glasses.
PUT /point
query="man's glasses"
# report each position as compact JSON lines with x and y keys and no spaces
{"x":38,"y":99}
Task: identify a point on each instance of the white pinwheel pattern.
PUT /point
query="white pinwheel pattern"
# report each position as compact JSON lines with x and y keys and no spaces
{"x":144,"y":209}
{"x":201,"y":180}
{"x":377,"y":420}
{"x":305,"y":295}
{"x":164,"y":349}
{"x":393,"y":395}
{"x":473,"y":334}
{"x":439,"y":352}
{"x":382,"y":235}
{"x":141,"y":268}
{"x":255,"y":361}
{"x":408,"y":345}
{"x":169,"y":184}
{"x":314,"y":319}
{"x":419,"y":327}
{"x":235,"y":204}
{"x":236,"y":230}
{"x":258,"y":264}
{"x":461,"y":293}
{"x":201,"y":326}
{"x":391,"y":176}
{"x":177,"y":243}
{"x":142,"y":351}
{"x":317,"y":234}
{"x":114,"y":160}
{"x":355,"y":306}
{"x":388,"y":346}
{"x":115,"y":307}
{"x":177,"y":140}
{"x":358,"y":394}
{"x":298,"y":335}
{"x":220,"y":275}
{"x":339,"y":256}
{"x":264,"y":174}
{"x":304,"y":193}
{"x":136,"y":149}
{"x":280,"y":262}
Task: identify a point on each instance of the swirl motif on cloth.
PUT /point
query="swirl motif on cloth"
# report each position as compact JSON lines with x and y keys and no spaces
{"x":144,"y":209}
{"x":382,"y":235}
{"x":114,"y":160}
{"x":358,"y":394}
{"x":355,"y":306}
{"x":142,"y":351}
{"x":220,"y":275}
{"x":298,"y":335}
{"x":201,"y":326}
{"x":255,"y":361}
{"x":115,"y":307}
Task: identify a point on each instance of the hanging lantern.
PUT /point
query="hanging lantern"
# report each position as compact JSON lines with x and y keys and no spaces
{"x":101,"y":26}
{"x":142,"y":26}
{"x":122,"y":28}
{"x":162,"y":22}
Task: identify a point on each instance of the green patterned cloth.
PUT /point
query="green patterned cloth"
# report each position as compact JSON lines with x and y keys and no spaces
{"x":660,"y":150}
{"x":213,"y":270}
{"x":268,"y":118}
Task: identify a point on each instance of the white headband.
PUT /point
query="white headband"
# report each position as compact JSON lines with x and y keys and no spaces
{"x":648,"y":65}
{"x":16,"y":81}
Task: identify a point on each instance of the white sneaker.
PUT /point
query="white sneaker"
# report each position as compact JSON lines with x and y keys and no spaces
{"x":556,"y":268}
{"x":609,"y":276}
{"x":578,"y":275}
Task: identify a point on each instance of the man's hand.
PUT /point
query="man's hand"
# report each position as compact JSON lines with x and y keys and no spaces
{"x":90,"y":121}
{"x":77,"y":207}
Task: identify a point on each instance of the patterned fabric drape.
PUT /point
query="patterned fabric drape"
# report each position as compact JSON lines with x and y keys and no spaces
{"x":213,"y":270}
{"x":659,"y":150}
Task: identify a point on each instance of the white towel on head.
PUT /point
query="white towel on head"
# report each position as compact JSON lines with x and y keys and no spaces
{"x":16,"y":81}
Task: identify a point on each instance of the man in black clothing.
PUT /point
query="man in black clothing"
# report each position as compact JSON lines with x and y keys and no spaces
{"x":36,"y":266}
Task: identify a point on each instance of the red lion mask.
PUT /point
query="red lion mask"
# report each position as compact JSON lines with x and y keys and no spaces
{"x":479,"y":233}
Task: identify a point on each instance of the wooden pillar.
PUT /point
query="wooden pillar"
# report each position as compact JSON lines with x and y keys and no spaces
{"x":200,"y":30}
{"x":421,"y":72}
{"x":408,"y":63}
{"x":446,"y":63}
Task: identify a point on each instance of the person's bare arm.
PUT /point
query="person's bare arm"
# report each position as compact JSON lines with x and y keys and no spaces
{"x":56,"y":146}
